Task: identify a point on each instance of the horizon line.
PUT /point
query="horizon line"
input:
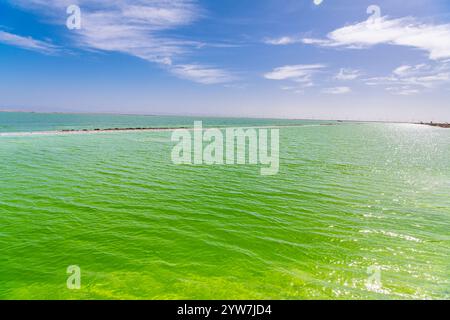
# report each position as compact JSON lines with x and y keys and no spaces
{"x":213,"y":116}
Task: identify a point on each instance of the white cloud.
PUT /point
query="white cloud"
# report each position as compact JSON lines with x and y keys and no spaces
{"x":125,"y":26}
{"x":282,"y":41}
{"x":402,"y":70}
{"x":136,"y":28}
{"x":28,"y":43}
{"x":408,"y":80}
{"x":348,"y":74}
{"x":316,"y":41}
{"x":409,"y":32}
{"x":337,"y":90}
{"x":202,"y":74}
{"x":298,"y":73}
{"x":301,"y":75}
{"x":406,"y":70}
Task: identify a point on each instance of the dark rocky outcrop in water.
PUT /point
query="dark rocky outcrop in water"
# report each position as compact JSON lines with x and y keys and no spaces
{"x":120,"y":129}
{"x":440,"y":125}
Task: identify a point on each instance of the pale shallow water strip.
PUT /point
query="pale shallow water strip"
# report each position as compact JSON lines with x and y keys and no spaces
{"x":78,"y":132}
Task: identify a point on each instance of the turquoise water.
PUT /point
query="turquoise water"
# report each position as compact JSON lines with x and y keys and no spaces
{"x":348,"y":197}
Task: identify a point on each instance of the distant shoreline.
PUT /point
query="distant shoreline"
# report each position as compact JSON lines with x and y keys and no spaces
{"x":217,"y":116}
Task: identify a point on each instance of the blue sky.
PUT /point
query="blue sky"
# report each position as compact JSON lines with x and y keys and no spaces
{"x":268,"y":58}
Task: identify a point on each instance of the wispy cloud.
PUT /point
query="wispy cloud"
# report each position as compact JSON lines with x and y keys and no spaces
{"x":301,"y":75}
{"x":202,"y":74}
{"x":298,"y":73}
{"x":347,"y":74}
{"x":337,"y":90}
{"x":282,"y":41}
{"x":136,"y":28}
{"x":406,"y":70}
{"x":407,"y":79}
{"x":409,"y":32}
{"x":28,"y":43}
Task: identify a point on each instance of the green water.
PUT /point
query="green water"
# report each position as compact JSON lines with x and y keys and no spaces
{"x":347,"y":197}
